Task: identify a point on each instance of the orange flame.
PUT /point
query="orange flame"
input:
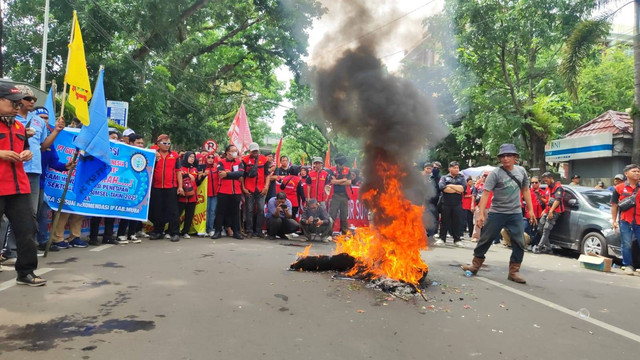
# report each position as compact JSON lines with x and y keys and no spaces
{"x":305,"y":252}
{"x":391,"y":246}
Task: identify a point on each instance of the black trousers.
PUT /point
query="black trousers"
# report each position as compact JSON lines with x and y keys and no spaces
{"x":164,"y":209}
{"x":228,"y":212}
{"x":21,"y":217}
{"x":280,"y":227}
{"x":468,"y":223}
{"x":451,"y":217}
{"x":189,"y":210}
{"x":129,"y":227}
{"x":95,"y":228}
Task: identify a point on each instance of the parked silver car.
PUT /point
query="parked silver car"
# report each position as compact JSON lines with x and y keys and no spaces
{"x":585,"y":225}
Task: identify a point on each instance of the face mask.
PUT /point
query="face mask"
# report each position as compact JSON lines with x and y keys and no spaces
{"x":234,"y":154}
{"x":435,"y":172}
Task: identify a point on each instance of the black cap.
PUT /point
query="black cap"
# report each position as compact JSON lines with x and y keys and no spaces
{"x":547,"y":175}
{"x":576,"y":176}
{"x":340,"y":159}
{"x":8,"y":91}
{"x":454,"y":163}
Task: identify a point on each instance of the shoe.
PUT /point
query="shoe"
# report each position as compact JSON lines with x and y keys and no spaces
{"x":302,"y":239}
{"x":514,"y":273}
{"x":77,"y":243}
{"x":535,"y":249}
{"x":175,"y":238}
{"x":94,"y":242}
{"x":294,"y":235}
{"x":284,"y":237}
{"x":3,"y":258}
{"x":142,"y":234}
{"x":61,"y":244}
{"x":9,"y":261}
{"x":260,"y":235}
{"x":327,"y":239}
{"x":167,"y":236}
{"x":271,"y":237}
{"x":437,"y":236}
{"x":476,"y":264}
{"x":460,"y":244}
{"x":122,"y":240}
{"x":238,"y":236}
{"x":211,"y":233}
{"x":439,"y":242}
{"x":31,"y":280}
{"x":249,"y":235}
{"x":155,"y":236}
{"x":217,"y":235}
{"x":109,"y":242}
{"x":186,"y":236}
{"x":42,"y":247}
{"x":134,"y":240}
{"x":629,"y":270}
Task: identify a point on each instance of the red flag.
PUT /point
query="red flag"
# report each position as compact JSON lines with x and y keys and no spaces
{"x":304,"y":156}
{"x":327,"y":157}
{"x":278,"y":153}
{"x":239,"y":133}
{"x":355,"y":163}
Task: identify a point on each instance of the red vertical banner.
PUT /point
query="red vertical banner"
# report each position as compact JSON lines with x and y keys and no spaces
{"x":278,"y":153}
{"x":327,"y":156}
{"x":239,"y":132}
{"x":358,"y":215}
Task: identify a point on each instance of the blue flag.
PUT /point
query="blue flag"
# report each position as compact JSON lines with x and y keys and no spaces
{"x":94,"y":163}
{"x":48,"y":104}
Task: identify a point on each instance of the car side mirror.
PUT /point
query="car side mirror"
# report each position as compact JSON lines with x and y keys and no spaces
{"x":573,"y":203}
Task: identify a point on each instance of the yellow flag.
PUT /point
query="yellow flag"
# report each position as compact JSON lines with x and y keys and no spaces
{"x":77,"y":75}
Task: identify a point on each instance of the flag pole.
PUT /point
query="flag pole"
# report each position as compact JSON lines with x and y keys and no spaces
{"x":64,"y":83}
{"x":55,"y":90}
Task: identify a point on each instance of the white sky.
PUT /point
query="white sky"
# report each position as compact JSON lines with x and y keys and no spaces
{"x":392,"y":52}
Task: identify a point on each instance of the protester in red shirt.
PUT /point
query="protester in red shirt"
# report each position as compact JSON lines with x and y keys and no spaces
{"x":625,"y":200}
{"x":538,"y":197}
{"x":468,"y":207}
{"x":211,"y":171}
{"x":15,"y":190}
{"x":316,"y":182}
{"x":255,"y":187}
{"x":549,"y":217}
{"x":230,"y":173}
{"x":292,"y":187}
{"x":190,"y":181}
{"x":165,"y":188}
{"x":479,"y":189}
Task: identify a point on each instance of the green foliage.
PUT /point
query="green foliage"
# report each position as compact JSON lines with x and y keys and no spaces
{"x":184,"y":66}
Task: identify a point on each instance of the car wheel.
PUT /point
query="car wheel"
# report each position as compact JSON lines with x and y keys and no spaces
{"x":595,"y":243}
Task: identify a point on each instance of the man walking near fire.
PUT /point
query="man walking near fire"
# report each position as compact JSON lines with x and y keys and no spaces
{"x":507,"y":183}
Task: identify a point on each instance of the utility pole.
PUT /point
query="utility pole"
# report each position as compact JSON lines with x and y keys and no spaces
{"x":635,"y":113}
{"x":45,"y":38}
{"x":1,"y":35}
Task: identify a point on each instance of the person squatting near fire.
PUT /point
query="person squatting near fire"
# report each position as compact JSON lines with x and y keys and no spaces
{"x":255,"y":185}
{"x":279,"y":217}
{"x":230,"y":175}
{"x":507,"y":182}
{"x":316,"y":222}
{"x":340,"y":179}
{"x":625,"y":202}
{"x":550,"y":215}
{"x":15,"y":190}
{"x":165,"y":188}
{"x":452,"y":186}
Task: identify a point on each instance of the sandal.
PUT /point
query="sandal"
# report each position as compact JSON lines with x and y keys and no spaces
{"x":31,"y":280}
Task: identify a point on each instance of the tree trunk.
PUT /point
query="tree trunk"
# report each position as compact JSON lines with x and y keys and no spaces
{"x":636,"y":103}
{"x":537,"y":155}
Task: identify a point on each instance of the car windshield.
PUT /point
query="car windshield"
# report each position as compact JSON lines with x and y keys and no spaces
{"x":598,"y":199}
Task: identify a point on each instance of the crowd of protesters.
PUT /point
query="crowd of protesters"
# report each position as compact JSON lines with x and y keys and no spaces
{"x":247,"y":196}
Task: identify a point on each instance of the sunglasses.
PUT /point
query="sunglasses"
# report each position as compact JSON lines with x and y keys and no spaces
{"x":16,"y":104}
{"x":210,"y":157}
{"x":30,"y":98}
{"x":506,"y":155}
{"x":535,"y":182}
{"x":165,"y":143}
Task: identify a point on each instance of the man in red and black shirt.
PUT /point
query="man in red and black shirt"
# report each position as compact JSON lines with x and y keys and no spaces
{"x":555,"y":208}
{"x":255,"y":185}
{"x":165,"y":188}
{"x":630,"y":216}
{"x":316,"y":182}
{"x":15,"y":190}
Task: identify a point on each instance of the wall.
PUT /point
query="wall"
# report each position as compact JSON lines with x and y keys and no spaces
{"x":600,"y":169}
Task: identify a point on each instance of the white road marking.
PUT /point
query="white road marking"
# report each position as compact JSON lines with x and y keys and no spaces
{"x":101,"y":247}
{"x":11,"y":283}
{"x":629,"y":335}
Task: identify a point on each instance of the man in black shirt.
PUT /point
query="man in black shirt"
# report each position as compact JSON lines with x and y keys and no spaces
{"x":452,"y":187}
{"x":340,"y":179}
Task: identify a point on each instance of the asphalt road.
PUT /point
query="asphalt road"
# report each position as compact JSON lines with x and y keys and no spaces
{"x":230,"y":299}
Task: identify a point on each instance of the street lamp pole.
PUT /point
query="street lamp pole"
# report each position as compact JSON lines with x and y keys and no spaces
{"x":45,"y":38}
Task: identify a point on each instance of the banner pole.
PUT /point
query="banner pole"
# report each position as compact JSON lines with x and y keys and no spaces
{"x":64,"y":82}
